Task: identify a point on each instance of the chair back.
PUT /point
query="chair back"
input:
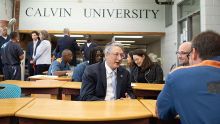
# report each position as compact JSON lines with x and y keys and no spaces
{"x":9,"y":91}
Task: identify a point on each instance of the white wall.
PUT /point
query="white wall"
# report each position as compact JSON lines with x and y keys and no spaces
{"x":42,"y":14}
{"x":169,"y":43}
{"x":210,"y":15}
{"x":154,"y":47}
{"x":6,"y":8}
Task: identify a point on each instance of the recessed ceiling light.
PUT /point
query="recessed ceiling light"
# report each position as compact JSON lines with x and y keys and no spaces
{"x":125,"y":41}
{"x":61,"y":35}
{"x":128,"y":36}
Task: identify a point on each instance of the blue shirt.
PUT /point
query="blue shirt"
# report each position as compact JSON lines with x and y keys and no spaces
{"x":79,"y":70}
{"x":187,"y":92}
{"x":58,"y":65}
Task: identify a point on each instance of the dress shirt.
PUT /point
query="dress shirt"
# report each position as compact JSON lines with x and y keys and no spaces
{"x":88,"y":44}
{"x":111,"y":83}
{"x":34,"y":48}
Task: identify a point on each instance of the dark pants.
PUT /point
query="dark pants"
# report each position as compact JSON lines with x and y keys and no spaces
{"x":41,"y":68}
{"x":30,"y":69}
{"x":12,"y":72}
{"x":1,"y":67}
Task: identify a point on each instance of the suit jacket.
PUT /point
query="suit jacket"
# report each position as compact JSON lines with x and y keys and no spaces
{"x":67,"y":42}
{"x":94,"y":83}
{"x":87,"y":50}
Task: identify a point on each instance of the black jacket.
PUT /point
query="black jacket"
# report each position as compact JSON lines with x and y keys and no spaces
{"x":154,"y":74}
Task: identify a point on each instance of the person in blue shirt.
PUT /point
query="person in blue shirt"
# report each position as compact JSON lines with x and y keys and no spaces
{"x":96,"y":55}
{"x":193,"y":92}
{"x":61,"y":66}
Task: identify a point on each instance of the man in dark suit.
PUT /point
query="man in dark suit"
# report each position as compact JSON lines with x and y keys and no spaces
{"x":67,"y":43}
{"x":32,"y":50}
{"x":3,"y":39}
{"x":87,"y":47}
{"x":107,"y":80}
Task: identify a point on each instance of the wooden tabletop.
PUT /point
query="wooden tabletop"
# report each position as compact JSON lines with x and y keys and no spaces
{"x":8,"y":107}
{"x":49,"y":77}
{"x":48,"y":109}
{"x":147,"y":86}
{"x":35,"y":84}
{"x":72,"y":85}
{"x":150,"y":105}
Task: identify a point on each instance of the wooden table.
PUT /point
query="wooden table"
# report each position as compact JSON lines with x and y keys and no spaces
{"x":71,"y":88}
{"x":58,"y":111}
{"x":151,"y":106}
{"x":39,"y":87}
{"x":8,"y":107}
{"x":147,"y":90}
{"x":49,"y":77}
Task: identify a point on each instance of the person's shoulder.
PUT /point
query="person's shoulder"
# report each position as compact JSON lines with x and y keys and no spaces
{"x":122,"y":69}
{"x":58,"y":61}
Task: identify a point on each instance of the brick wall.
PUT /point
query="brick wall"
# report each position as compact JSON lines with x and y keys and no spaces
{"x":17,"y":10}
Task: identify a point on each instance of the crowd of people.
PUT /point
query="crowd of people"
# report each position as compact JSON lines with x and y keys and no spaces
{"x":191,"y":89}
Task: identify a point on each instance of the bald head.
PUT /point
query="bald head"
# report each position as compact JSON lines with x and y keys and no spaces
{"x":67,"y":55}
{"x":183,"y":52}
{"x":186,"y":46}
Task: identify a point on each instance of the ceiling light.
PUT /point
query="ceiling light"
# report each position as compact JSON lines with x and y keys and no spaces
{"x":128,"y":36}
{"x":126,"y":44}
{"x":61,"y":35}
{"x":125,"y":41}
{"x":82,"y":41}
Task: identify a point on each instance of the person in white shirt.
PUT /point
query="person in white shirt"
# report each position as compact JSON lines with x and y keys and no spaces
{"x":31,"y":51}
{"x":107,"y":80}
{"x":42,"y":58}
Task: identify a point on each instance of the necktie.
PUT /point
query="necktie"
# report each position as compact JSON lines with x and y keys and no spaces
{"x":114,"y":83}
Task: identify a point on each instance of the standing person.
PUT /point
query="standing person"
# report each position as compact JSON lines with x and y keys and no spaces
{"x":107,"y":80}
{"x":192,"y":92}
{"x":31,"y":51}
{"x":145,"y":71}
{"x":96,"y":55}
{"x":3,"y":39}
{"x":67,"y":42}
{"x":11,"y":56}
{"x":42,"y":58}
{"x":61,"y":66}
{"x":87,"y":47}
{"x":183,"y":54}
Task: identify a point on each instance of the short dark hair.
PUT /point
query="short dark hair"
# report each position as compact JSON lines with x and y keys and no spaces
{"x":207,"y":44}
{"x":146,"y":62}
{"x":13,"y":35}
{"x":35,"y":32}
{"x":93,"y":52}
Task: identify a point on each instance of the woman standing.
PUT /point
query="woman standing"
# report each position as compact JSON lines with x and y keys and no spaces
{"x":145,"y":71}
{"x":42,"y":58}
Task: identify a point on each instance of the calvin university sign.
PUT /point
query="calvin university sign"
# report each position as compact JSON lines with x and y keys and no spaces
{"x":91,"y":15}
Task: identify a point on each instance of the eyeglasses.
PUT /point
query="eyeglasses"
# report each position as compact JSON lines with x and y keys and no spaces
{"x":182,"y":53}
{"x":122,"y":55}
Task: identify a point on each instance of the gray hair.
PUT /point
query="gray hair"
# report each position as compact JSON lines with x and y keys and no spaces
{"x":108,"y":47}
{"x":66,"y":30}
